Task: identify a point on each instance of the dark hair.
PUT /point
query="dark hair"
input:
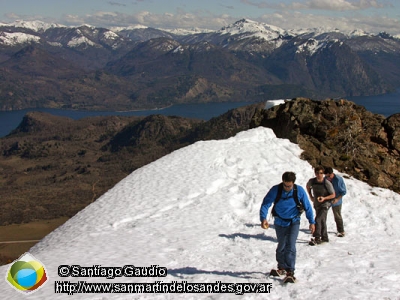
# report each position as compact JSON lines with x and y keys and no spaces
{"x":319,"y":168}
{"x":328,"y":170}
{"x":289,"y":177}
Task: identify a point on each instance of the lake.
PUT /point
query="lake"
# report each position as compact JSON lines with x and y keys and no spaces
{"x":386,"y":105}
{"x":9,"y":120}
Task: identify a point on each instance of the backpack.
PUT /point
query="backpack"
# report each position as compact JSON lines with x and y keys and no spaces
{"x":299,"y":205}
{"x":316,"y":182}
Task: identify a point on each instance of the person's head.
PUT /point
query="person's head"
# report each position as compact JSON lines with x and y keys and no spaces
{"x":329,"y":173}
{"x":319,"y":171}
{"x":288,"y":179}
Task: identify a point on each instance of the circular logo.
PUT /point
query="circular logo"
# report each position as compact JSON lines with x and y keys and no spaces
{"x":26,"y":274}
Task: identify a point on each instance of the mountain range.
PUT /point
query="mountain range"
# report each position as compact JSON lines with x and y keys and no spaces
{"x":51,"y":65}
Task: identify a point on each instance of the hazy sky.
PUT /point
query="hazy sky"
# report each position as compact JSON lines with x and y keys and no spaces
{"x":369,"y":15}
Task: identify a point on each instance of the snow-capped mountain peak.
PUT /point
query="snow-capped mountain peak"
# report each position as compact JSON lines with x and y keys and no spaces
{"x":243,"y":35}
{"x":14,"y":38}
{"x":36,"y":26}
{"x":250,"y":28}
{"x":358,"y":32}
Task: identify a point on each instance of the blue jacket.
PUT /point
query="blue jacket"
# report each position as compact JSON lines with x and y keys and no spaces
{"x":340,"y":188}
{"x":286,"y":207}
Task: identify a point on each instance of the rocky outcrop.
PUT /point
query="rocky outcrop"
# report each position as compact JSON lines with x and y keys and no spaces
{"x":152,"y":131}
{"x":340,"y":134}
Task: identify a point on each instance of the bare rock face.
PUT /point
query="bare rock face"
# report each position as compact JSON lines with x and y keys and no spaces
{"x":340,"y":134}
{"x":392,"y":125}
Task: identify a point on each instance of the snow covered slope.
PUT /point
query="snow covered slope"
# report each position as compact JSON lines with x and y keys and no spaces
{"x":196,"y":213}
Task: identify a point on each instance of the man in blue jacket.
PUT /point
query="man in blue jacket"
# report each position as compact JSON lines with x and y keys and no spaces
{"x":287,"y":222}
{"x":340,"y":191}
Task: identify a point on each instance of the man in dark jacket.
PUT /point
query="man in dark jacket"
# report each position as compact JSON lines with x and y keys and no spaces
{"x":340,"y":191}
{"x":321,"y":192}
{"x":287,"y":222}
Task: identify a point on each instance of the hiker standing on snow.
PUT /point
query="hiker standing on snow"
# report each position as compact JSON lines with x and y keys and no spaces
{"x":287,"y":211}
{"x":340,"y":191}
{"x":321,"y":192}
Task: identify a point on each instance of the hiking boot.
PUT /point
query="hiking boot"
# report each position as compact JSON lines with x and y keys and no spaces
{"x":314,"y":241}
{"x":277,"y":272}
{"x":289,"y":277}
{"x":323,"y":241}
{"x":340,"y":234}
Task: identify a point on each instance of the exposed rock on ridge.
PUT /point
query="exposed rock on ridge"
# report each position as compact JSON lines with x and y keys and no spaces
{"x":340,"y":134}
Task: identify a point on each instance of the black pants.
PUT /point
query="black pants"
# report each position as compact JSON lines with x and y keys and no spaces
{"x":337,"y":213}
{"x":321,"y":231}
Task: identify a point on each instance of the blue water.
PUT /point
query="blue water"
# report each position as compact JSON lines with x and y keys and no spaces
{"x":9,"y":120}
{"x":386,"y":105}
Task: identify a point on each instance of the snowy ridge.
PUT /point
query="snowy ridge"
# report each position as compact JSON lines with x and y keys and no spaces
{"x":132,"y":27}
{"x":33,"y":25}
{"x":313,"y":40}
{"x":15,"y":38}
{"x":358,"y":32}
{"x":182,"y":31}
{"x":77,"y":41}
{"x":316,"y":31}
{"x":249,"y":28}
{"x":110,"y":35}
{"x":304,"y":31}
{"x":196,"y":212}
{"x":311,"y":46}
{"x":242,"y":29}
{"x":244,"y":26}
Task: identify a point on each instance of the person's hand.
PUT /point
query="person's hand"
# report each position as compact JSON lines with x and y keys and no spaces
{"x":264,"y":224}
{"x":321,"y":199}
{"x":312,"y":228}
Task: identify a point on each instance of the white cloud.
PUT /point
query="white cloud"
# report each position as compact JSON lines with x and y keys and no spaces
{"x":11,"y":17}
{"x":72,"y":19}
{"x":294,"y":20}
{"x":166,"y":20}
{"x":329,"y":5}
{"x":342,"y":5}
